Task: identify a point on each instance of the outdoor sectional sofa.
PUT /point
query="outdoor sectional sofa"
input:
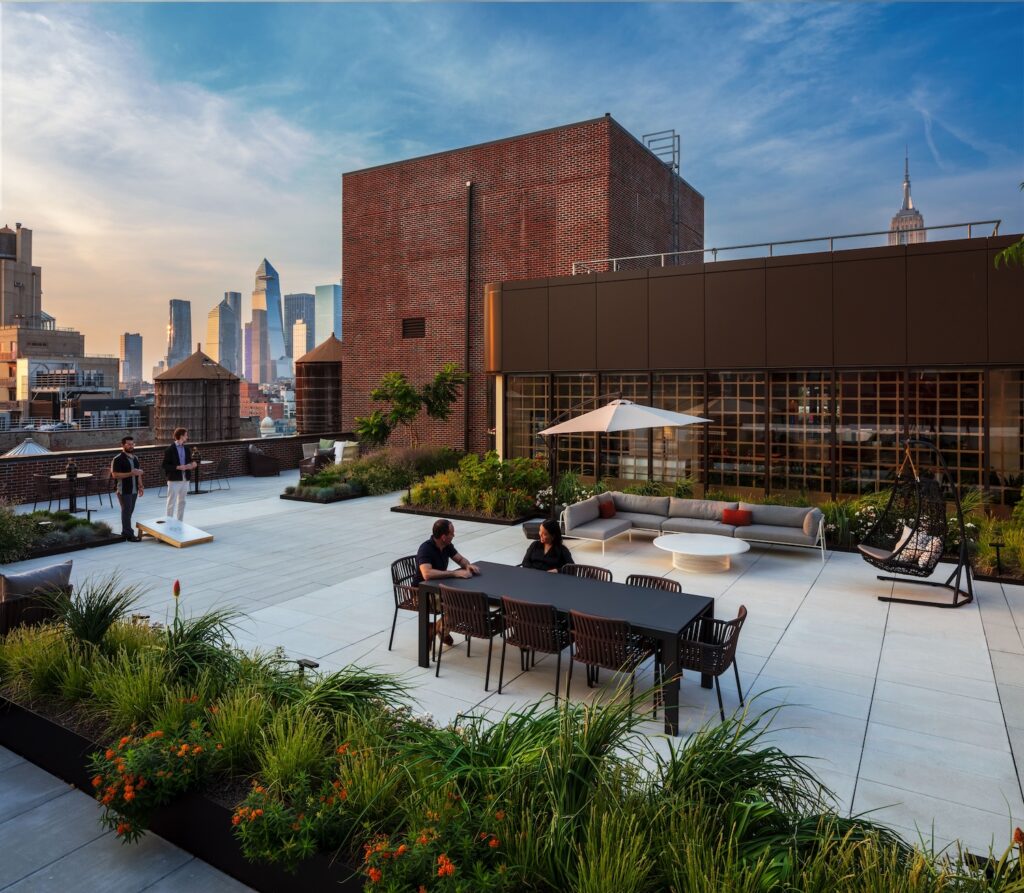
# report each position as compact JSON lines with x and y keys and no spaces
{"x":777,"y":524}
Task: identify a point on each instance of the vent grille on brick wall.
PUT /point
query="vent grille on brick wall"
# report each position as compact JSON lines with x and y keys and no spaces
{"x":414,"y":327}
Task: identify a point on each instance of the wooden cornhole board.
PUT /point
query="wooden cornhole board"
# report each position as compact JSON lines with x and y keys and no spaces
{"x":173,"y":532}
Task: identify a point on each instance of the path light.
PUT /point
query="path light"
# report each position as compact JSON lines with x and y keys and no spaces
{"x":306,"y":664}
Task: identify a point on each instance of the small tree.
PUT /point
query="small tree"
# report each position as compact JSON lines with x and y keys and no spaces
{"x":1012,"y":255}
{"x":406,"y":401}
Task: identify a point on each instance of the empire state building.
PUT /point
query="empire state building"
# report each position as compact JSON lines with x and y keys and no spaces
{"x":907,"y":226}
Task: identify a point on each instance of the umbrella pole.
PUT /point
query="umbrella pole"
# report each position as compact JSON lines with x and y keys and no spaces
{"x":553,"y":473}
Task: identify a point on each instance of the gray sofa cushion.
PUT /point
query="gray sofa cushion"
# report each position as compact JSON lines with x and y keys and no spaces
{"x":696,"y":525}
{"x":580,"y":513}
{"x":601,"y":529}
{"x":774,"y":533}
{"x":811,"y":521}
{"x":644,"y":505}
{"x":41,"y":580}
{"x":776,"y":515}
{"x":705,"y":509}
{"x":638,"y":519}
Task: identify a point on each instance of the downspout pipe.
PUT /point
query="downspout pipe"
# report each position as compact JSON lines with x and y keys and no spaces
{"x":469,"y":331}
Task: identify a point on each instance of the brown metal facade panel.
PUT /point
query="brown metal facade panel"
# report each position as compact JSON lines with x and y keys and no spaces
{"x":946,"y":307}
{"x":622,"y":324}
{"x":870,"y":309}
{"x":524,"y":326}
{"x":572,"y":326}
{"x":734,"y":304}
{"x":676,"y":322}
{"x":1005,"y":311}
{"x":798,"y":316}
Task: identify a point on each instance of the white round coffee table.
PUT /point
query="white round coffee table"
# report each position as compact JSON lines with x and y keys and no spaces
{"x":701,"y":553}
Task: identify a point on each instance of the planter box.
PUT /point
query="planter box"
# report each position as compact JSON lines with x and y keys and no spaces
{"x":62,"y":550}
{"x":293,"y":498}
{"x":459,"y":516}
{"x":193,"y":822}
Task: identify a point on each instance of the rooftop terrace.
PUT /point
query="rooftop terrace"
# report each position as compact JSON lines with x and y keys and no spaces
{"x":915,"y":712}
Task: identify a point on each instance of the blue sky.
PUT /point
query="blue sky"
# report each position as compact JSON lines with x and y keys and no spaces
{"x":162,"y":150}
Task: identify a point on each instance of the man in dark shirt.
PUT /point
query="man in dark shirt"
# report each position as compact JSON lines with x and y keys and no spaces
{"x":127,"y":471}
{"x":432,"y":560}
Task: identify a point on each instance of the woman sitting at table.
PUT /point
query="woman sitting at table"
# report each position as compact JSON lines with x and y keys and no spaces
{"x":547,"y":553}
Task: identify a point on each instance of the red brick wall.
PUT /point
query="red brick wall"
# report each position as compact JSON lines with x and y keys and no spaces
{"x":540,"y":201}
{"x":16,"y":484}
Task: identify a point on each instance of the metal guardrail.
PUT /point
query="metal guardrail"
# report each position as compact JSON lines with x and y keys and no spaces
{"x":579,"y":266}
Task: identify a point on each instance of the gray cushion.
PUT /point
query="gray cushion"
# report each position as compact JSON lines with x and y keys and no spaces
{"x":638,"y":519}
{"x":774,"y":533}
{"x":777,"y":515}
{"x":644,"y":505}
{"x":706,"y":509}
{"x":601,"y":529}
{"x":811,"y":521}
{"x":44,"y":579}
{"x":697,"y":525}
{"x":580,"y":513}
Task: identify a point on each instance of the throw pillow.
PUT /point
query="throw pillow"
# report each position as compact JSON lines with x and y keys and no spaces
{"x":45,"y":579}
{"x":606,"y":508}
{"x":737,"y":517}
{"x":326,"y":444}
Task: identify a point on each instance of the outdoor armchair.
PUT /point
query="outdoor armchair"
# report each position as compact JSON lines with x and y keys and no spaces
{"x":709,"y":647}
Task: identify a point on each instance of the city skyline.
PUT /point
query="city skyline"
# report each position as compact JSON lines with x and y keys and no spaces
{"x":793,"y":121}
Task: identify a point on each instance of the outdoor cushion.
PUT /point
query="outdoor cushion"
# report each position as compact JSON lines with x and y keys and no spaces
{"x":639,"y":519}
{"x":696,"y":525}
{"x":776,"y":515}
{"x":737,"y":517}
{"x":580,"y":513}
{"x":811,"y":521}
{"x":774,"y":533}
{"x":706,"y":509}
{"x":600,"y":529}
{"x":326,"y":444}
{"x":647,"y":505}
{"x":309,"y":450}
{"x":44,"y":579}
{"x":606,"y":508}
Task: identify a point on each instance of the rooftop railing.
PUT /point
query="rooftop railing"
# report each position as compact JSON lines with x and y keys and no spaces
{"x":672,"y":258}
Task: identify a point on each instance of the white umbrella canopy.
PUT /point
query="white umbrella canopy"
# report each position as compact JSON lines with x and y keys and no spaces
{"x":623,"y":415}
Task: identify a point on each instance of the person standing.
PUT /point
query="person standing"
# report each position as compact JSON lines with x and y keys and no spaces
{"x":126,"y":470}
{"x":178,"y":470}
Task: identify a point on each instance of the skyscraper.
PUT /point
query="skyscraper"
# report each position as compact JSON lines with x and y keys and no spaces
{"x":247,"y":352}
{"x":907,"y":227}
{"x":298,"y":306}
{"x":131,"y":358}
{"x":302,"y":338}
{"x":258,"y":361}
{"x":222,"y":336}
{"x":328,"y":313}
{"x":234,"y":299}
{"x":266,"y":297}
{"x":179,"y":332}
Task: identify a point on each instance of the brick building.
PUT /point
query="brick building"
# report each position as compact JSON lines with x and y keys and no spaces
{"x":420,"y":238}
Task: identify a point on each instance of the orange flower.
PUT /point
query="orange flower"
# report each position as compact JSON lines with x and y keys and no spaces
{"x":123,"y":741}
{"x":445,"y":866}
{"x":109,"y":755}
{"x":129,"y":795}
{"x":375,"y":875}
{"x":98,"y":780}
{"x":123,"y":827}
{"x":500,"y":815}
{"x":215,"y":709}
{"x":220,"y":747}
{"x":402,"y":850}
{"x":1018,"y":837}
{"x":494,"y":843}
{"x":235,"y":819}
{"x":343,"y":749}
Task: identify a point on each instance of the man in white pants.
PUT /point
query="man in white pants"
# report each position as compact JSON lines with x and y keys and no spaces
{"x":178,"y":469}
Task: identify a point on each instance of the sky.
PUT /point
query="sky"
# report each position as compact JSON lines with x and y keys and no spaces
{"x":162,"y":150}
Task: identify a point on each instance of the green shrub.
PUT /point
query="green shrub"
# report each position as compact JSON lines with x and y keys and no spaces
{"x":294,"y":748}
{"x":235,"y":721}
{"x":128,"y":690}
{"x":34,"y":658}
{"x":94,"y":608}
{"x":196,"y":644}
{"x":18,"y":533}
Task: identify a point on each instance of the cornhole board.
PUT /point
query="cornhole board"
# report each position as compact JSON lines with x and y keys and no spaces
{"x":173,"y":532}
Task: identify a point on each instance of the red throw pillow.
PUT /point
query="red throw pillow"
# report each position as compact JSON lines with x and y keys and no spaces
{"x":606,"y":508}
{"x":737,"y":517}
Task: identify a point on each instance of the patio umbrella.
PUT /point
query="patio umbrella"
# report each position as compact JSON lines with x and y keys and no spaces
{"x":623,"y":415}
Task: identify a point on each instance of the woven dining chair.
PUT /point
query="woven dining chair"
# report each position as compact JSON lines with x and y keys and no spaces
{"x":102,"y":484}
{"x":532,"y":628}
{"x":469,"y":613}
{"x":407,"y":597}
{"x":587,"y":572}
{"x":649,"y":582}
{"x":44,"y":488}
{"x":602,"y":642}
{"x":709,"y":647}
{"x":220,"y":473}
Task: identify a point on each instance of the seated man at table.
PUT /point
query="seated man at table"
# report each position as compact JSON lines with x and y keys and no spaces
{"x":433,"y":555}
{"x":548,"y":553}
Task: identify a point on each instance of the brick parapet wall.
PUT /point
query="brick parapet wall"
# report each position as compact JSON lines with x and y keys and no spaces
{"x":540,"y":201}
{"x":16,"y":481}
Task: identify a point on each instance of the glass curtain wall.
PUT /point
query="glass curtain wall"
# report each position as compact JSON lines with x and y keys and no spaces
{"x":946,"y":408}
{"x":574,"y":395}
{"x":800,"y":436}
{"x":527,"y":398}
{"x":868,"y":428}
{"x":736,"y":438}
{"x":679,"y":452}
{"x":1006,"y":435}
{"x":624,"y":453}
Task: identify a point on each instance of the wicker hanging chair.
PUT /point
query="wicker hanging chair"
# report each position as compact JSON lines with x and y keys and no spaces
{"x":909,"y":536}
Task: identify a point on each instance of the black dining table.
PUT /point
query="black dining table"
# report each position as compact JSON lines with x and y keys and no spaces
{"x":651,"y":612}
